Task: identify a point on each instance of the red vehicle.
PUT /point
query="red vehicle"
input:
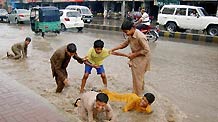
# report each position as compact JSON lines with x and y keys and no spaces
{"x":151,"y":32}
{"x":136,"y":15}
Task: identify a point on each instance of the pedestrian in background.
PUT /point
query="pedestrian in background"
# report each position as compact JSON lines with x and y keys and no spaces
{"x":59,"y":62}
{"x":144,"y":21}
{"x":105,"y":13}
{"x":139,"y":58}
{"x":19,"y":49}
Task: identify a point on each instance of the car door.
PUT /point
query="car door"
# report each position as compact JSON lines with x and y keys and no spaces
{"x":12,"y":15}
{"x":193,"y":21}
{"x":180,"y":16}
{"x":166,"y":15}
{"x":9,"y":16}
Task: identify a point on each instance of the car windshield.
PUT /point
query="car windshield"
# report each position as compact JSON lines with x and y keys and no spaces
{"x":86,"y":11}
{"x":203,"y":12}
{"x":23,"y":11}
{"x":3,"y":11}
{"x":73,"y":14}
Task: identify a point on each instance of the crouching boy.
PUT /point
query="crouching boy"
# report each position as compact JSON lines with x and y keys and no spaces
{"x":92,"y":104}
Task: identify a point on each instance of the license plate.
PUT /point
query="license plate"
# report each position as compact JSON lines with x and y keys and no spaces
{"x":88,"y":20}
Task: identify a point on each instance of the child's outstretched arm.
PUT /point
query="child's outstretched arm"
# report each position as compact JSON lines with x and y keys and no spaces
{"x":90,"y":64}
{"x":119,"y":54}
{"x":87,"y":62}
{"x":79,"y":60}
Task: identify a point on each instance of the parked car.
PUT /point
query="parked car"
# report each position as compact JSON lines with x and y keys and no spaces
{"x":19,"y":16}
{"x":71,"y":19}
{"x":87,"y":15}
{"x":182,"y":17}
{"x":3,"y":14}
{"x":113,"y":15}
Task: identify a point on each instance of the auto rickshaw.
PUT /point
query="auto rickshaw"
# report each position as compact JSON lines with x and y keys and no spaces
{"x":45,"y":19}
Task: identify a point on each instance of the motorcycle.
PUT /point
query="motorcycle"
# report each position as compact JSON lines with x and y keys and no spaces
{"x":151,"y":32}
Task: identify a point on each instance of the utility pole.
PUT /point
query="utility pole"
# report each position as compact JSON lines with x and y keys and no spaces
{"x":123,"y":10}
{"x":133,"y":5}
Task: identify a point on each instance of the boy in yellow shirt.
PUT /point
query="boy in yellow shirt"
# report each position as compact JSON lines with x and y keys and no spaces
{"x":133,"y":102}
{"x":94,"y":59}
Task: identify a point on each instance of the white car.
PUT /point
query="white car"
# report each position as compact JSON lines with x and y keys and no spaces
{"x":71,"y":19}
{"x":182,"y":17}
{"x":3,"y":14}
{"x":18,"y":16}
{"x":85,"y":12}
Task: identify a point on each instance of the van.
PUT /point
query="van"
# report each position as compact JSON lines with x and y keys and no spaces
{"x":183,"y":17}
{"x":87,"y":15}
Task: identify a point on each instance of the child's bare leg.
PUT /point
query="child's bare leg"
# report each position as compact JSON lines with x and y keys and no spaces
{"x":104,"y":79}
{"x":85,"y":77}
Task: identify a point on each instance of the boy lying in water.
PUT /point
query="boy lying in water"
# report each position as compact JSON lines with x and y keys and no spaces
{"x":133,"y":102}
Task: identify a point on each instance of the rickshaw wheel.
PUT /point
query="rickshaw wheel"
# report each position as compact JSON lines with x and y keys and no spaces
{"x":43,"y":34}
{"x":58,"y":32}
{"x":36,"y":32}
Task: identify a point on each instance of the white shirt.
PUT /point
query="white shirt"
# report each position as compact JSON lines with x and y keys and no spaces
{"x":145,"y":19}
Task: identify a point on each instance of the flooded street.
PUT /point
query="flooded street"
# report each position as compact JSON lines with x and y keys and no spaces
{"x":183,"y":76}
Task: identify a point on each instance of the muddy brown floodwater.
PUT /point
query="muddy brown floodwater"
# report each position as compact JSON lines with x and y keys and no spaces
{"x":35,"y":72}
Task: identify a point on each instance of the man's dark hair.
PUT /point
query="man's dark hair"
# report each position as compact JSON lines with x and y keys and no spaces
{"x":71,"y":48}
{"x":98,"y":44}
{"x":127,"y":25}
{"x":102,"y":97}
{"x":28,"y":39}
{"x":150,"y":97}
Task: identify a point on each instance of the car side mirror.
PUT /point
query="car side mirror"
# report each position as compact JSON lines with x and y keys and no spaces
{"x":198,"y":15}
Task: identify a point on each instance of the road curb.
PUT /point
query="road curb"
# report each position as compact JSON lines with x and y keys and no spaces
{"x":187,"y":36}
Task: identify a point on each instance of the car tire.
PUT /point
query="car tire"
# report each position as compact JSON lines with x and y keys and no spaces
{"x":43,"y":34}
{"x":63,"y":28}
{"x":8,"y":21}
{"x":171,"y":27}
{"x":212,"y":30}
{"x":16,"y":21}
{"x":79,"y":29}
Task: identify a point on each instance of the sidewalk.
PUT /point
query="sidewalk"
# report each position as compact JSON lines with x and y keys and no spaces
{"x":20,"y":104}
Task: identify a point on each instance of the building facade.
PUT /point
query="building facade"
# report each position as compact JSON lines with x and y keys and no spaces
{"x":122,"y":6}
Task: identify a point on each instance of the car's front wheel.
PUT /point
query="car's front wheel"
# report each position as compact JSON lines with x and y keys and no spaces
{"x":63,"y":28}
{"x":171,"y":27}
{"x":17,"y":21}
{"x":8,"y":21}
{"x":212,"y":30}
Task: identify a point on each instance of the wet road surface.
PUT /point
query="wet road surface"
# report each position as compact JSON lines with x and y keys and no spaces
{"x":183,"y":76}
